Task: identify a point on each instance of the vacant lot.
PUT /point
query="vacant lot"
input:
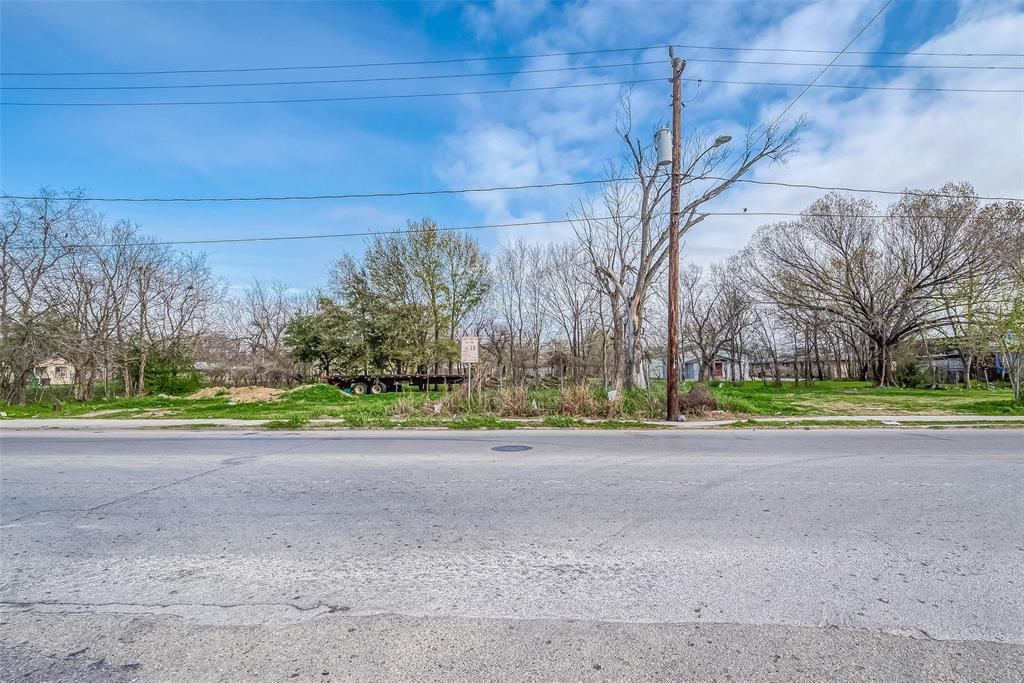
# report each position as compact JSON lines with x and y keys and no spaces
{"x":550,"y":406}
{"x":861,"y":398}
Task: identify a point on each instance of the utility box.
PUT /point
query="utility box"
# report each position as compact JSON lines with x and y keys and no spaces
{"x":663,"y":144}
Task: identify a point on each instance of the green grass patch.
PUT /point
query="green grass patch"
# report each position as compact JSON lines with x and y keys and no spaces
{"x":862,"y":398}
{"x":286,"y":423}
{"x":825,"y":424}
{"x":323,"y":403}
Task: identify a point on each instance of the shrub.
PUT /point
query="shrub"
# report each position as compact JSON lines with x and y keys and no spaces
{"x":910,"y":375}
{"x":578,"y":400}
{"x":645,"y":403}
{"x":513,"y":401}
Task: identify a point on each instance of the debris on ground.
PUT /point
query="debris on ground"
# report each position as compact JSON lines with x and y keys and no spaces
{"x":699,"y":401}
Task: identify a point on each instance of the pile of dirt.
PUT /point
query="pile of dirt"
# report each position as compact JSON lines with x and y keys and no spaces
{"x":208,"y":392}
{"x":238,"y":394}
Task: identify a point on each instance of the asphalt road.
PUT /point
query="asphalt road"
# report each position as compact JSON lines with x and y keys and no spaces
{"x":719,"y":555}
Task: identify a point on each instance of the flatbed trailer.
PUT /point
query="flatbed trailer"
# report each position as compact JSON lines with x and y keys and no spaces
{"x":378,"y":384}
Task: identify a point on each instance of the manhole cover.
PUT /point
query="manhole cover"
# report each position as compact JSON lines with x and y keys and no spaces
{"x":506,"y":449}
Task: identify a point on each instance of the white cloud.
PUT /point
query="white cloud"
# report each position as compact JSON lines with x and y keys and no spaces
{"x":887,"y":139}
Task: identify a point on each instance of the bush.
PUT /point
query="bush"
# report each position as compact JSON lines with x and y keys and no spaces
{"x":513,"y":401}
{"x":644,"y":403}
{"x":175,"y":383}
{"x":317,"y":393}
{"x":699,"y":401}
{"x":909,"y":375}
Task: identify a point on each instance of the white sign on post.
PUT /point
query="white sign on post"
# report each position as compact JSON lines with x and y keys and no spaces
{"x":471,"y":349}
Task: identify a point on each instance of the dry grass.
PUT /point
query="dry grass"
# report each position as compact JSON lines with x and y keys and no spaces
{"x":513,"y":401}
{"x":580,"y":400}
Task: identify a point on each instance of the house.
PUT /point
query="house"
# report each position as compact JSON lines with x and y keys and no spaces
{"x":723,"y":368}
{"x":54,"y":370}
{"x":790,"y":366}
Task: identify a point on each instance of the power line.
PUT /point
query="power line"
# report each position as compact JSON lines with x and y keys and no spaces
{"x":840,"y":188}
{"x":976,"y":67}
{"x":410,"y":231}
{"x":454,"y":60}
{"x":356,"y":98}
{"x":376,"y":79}
{"x":388,"y":79}
{"x":458,"y":60}
{"x":884,"y":53}
{"x":497,"y":188}
{"x":284,"y":238}
{"x":834,"y":59}
{"x":330,"y":99}
{"x":807,"y":86}
{"x":358,"y":195}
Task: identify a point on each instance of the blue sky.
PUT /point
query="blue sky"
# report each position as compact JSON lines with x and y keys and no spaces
{"x":864,"y":138}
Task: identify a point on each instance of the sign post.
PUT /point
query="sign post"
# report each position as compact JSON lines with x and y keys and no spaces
{"x":470,"y":354}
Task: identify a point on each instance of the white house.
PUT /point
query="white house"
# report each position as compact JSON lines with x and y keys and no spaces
{"x":54,"y":370}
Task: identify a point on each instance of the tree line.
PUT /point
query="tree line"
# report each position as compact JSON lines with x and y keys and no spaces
{"x":845,"y":289}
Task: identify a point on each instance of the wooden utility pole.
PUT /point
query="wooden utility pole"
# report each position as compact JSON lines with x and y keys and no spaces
{"x":672,"y":390}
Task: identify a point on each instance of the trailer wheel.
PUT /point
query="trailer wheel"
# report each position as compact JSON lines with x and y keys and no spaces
{"x":376,"y":388}
{"x":359,"y":388}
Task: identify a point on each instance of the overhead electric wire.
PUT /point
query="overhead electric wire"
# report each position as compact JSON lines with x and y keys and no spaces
{"x":427,"y":77}
{"x":409,"y":231}
{"x":835,"y":59}
{"x":884,"y":53}
{"x":457,"y":60}
{"x":497,"y":188}
{"x":812,"y":84}
{"x":353,"y":98}
{"x":454,"y":60}
{"x":365,"y":233}
{"x":375,"y":79}
{"x":499,"y":91}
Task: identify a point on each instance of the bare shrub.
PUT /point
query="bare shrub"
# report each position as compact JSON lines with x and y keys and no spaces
{"x":699,"y":401}
{"x":410,"y":406}
{"x":577,"y":400}
{"x":513,"y":401}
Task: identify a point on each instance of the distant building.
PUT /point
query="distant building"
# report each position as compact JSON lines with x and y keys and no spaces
{"x":723,"y":368}
{"x":54,"y":370}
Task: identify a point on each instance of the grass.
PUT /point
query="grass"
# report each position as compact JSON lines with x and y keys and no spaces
{"x":862,"y":398}
{"x":816,"y":424}
{"x":323,"y":405}
{"x":294,"y":422}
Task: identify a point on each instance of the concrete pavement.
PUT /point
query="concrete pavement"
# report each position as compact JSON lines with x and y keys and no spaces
{"x":789,"y":555}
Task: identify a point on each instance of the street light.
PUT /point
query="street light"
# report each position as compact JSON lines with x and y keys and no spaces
{"x":667,"y":143}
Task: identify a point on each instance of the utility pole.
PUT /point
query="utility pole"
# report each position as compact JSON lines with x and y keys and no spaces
{"x":672,"y":390}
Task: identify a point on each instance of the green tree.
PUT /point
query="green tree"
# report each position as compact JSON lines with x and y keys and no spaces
{"x":411,"y":293}
{"x":330,"y":337}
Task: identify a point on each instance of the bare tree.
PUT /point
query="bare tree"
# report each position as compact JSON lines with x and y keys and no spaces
{"x":568,"y":299}
{"x":624,"y":234}
{"x":518,"y":300}
{"x":33,"y":235}
{"x":884,"y":277}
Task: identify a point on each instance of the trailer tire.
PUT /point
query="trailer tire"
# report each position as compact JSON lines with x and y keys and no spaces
{"x":376,"y":388}
{"x":359,"y":388}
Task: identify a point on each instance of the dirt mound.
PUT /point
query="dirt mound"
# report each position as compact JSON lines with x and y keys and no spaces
{"x":208,"y":392}
{"x":238,"y":394}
